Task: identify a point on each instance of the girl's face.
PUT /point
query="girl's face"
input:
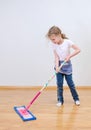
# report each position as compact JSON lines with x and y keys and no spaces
{"x":56,"y":39}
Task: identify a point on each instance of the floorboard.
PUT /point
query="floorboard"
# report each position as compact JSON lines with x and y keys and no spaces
{"x":49,"y":116}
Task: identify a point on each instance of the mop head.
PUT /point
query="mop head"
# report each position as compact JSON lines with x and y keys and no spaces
{"x":25,"y":114}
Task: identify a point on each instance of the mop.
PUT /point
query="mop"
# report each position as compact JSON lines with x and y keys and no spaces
{"x":23,"y":111}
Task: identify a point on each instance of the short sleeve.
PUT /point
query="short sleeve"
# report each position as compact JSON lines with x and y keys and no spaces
{"x":53,"y":47}
{"x":70,"y":43}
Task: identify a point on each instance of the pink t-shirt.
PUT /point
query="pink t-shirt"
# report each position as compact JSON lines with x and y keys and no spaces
{"x":63,"y":50}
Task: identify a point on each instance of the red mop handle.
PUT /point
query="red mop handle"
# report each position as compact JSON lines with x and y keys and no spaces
{"x":33,"y":99}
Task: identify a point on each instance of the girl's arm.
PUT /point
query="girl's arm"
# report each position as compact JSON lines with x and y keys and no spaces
{"x":56,"y":61}
{"x":76,"y":51}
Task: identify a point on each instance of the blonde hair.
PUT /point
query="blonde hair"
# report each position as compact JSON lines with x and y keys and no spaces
{"x":56,"y":31}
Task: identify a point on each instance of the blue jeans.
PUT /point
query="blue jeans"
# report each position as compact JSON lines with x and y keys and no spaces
{"x":68,"y":78}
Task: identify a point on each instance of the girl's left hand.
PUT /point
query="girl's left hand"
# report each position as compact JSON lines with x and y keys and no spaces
{"x":67,"y":58}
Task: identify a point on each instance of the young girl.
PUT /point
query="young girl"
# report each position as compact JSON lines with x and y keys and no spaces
{"x":61,"y":48}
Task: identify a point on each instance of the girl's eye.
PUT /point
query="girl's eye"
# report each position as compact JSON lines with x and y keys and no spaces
{"x":53,"y":39}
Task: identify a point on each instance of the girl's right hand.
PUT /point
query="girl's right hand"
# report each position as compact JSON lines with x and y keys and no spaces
{"x":57,"y":69}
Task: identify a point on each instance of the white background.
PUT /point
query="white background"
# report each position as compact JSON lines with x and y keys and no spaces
{"x":26,"y":57}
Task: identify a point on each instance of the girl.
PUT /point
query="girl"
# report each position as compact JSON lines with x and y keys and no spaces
{"x":61,"y":48}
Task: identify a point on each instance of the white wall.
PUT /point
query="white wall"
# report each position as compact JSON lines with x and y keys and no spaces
{"x":26,"y":58}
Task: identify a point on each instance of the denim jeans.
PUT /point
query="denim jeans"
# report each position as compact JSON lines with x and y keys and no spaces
{"x":68,"y":78}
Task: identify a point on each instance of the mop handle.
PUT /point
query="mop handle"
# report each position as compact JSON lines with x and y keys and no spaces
{"x":45,"y":85}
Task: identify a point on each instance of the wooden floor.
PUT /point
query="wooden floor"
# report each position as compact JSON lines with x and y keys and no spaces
{"x":49,"y":116}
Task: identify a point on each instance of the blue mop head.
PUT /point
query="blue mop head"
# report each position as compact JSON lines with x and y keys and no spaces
{"x":25,"y":114}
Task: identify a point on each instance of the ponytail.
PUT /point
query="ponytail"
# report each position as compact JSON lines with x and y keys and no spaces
{"x":63,"y":36}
